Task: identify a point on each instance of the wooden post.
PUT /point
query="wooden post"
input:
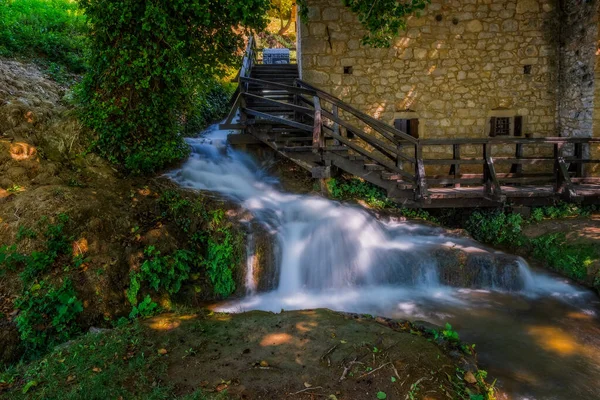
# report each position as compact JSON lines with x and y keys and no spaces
{"x":399,"y":163}
{"x":579,"y":167}
{"x":455,"y":168}
{"x":336,"y":127}
{"x":318,"y":140}
{"x":421,"y":192}
{"x":517,"y":168}
{"x":491,"y":188}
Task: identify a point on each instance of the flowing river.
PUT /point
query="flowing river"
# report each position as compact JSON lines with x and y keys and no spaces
{"x":538,"y":334}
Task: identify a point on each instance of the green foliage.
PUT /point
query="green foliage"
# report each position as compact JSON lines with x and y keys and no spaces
{"x":50,"y":30}
{"x":161,"y":272}
{"x":450,"y":334}
{"x":149,"y":61}
{"x":144,"y":309}
{"x":572,"y":260}
{"x":560,"y":210}
{"x":211,"y":237}
{"x":373,"y":196}
{"x":355,"y":188}
{"x":496,"y":228}
{"x":57,"y":244}
{"x":383,"y":19}
{"x":208,"y":102}
{"x":47,"y":315}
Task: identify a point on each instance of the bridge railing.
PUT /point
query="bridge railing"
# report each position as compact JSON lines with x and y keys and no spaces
{"x":389,"y":144}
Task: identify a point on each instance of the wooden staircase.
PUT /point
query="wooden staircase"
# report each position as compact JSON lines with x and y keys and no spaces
{"x":320,"y":132}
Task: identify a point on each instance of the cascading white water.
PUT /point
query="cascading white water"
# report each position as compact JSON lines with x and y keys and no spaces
{"x":328,"y":248}
{"x":342,"y":257}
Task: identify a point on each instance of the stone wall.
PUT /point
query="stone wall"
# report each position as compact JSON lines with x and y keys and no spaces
{"x":452,"y":72}
{"x":459,"y":64}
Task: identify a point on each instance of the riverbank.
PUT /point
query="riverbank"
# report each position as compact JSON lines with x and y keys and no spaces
{"x":299,"y":354}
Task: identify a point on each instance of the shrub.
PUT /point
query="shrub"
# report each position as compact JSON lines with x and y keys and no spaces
{"x":47,"y":315}
{"x":148,"y":60}
{"x":496,"y":228}
{"x":53,"y":30}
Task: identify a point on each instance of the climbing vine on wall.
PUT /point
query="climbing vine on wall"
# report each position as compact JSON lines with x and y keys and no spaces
{"x":383,"y":19}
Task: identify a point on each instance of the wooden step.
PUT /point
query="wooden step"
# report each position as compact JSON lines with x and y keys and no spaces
{"x":374,"y":167}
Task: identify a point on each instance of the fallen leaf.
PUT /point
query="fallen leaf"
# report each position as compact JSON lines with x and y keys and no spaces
{"x":220,"y":387}
{"x":96,"y":369}
{"x":307,"y":385}
{"x":381,"y":395}
{"x":70,"y":378}
{"x":203,"y":384}
{"x":343,"y":342}
{"x":263,"y":363}
{"x":470,"y":378}
{"x":162,"y":352}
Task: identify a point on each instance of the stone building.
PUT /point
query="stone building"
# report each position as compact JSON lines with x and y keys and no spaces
{"x":465,"y":68}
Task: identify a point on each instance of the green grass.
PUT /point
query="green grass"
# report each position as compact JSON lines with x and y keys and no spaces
{"x":50,"y":31}
{"x":122,"y":363}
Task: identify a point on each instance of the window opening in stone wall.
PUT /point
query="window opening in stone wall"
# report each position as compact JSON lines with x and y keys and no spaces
{"x":408,"y":126}
{"x":500,"y":126}
{"x":347,"y":70}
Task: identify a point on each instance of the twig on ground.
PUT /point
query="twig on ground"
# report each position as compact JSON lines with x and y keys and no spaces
{"x":416,"y":384}
{"x":395,"y":371}
{"x":307,"y":389}
{"x":329,"y":351}
{"x":347,"y":369}
{"x":376,"y":369}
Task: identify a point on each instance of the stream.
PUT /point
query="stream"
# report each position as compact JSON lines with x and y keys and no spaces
{"x":537,"y":333}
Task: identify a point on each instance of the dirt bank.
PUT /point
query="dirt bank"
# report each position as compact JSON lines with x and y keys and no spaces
{"x":259,"y":355}
{"x":46,"y":173}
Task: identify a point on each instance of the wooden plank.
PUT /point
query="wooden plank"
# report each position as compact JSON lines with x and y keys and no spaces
{"x":473,"y":161}
{"x":279,"y":120}
{"x":507,"y":140}
{"x":287,"y":88}
{"x":276,"y":103}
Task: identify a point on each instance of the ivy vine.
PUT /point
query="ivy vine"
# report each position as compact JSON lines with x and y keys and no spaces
{"x":382,"y":19}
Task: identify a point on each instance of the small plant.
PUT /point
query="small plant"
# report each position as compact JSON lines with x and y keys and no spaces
{"x":47,"y":315}
{"x":381,"y":395}
{"x":161,"y":272}
{"x":450,"y":334}
{"x":144,"y":309}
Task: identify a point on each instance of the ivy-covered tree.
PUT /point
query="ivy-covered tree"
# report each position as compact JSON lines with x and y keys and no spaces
{"x":146,"y":58}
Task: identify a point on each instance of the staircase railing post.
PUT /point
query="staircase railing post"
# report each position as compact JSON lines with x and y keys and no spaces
{"x":318,"y":140}
{"x":421,"y":184}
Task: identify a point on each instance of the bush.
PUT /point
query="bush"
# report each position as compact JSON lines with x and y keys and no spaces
{"x":148,"y":61}
{"x":496,"y":228}
{"x":47,"y":315}
{"x":52,"y":30}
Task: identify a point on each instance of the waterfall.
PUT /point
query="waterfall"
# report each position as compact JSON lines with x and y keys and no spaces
{"x":342,"y":253}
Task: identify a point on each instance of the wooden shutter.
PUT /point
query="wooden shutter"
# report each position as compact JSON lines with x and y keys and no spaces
{"x":493,"y":126}
{"x":401,"y":125}
{"x":413,"y":127}
{"x":518,"y":126}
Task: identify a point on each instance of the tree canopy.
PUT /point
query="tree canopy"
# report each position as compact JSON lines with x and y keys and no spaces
{"x":147,"y":58}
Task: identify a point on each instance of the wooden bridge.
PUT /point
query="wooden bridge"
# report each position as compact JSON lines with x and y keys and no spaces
{"x":320,"y":132}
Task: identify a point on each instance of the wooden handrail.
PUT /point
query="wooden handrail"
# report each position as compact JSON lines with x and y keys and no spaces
{"x":372,"y":122}
{"x":281,"y":86}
